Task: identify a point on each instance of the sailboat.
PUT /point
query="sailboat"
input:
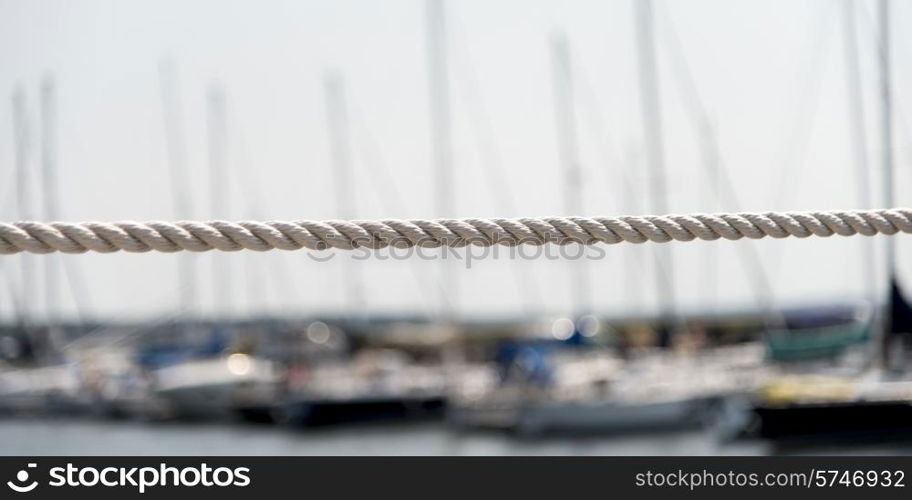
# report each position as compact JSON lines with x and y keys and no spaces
{"x":827,"y":336}
{"x":236,"y":385}
{"x":107,"y":382}
{"x":202,"y":370}
{"x":879,"y":399}
{"x":37,"y":379}
{"x":813,"y":334}
{"x":564,"y":384}
{"x":373,"y":383}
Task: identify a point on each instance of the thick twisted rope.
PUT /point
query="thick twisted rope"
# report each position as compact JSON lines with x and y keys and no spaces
{"x":38,"y":237}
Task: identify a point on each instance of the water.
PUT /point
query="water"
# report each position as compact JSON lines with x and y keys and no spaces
{"x":32,"y":437}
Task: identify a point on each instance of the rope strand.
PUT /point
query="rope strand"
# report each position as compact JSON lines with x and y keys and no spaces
{"x":107,"y":237}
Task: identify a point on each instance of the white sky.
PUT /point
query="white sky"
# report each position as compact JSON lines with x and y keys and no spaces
{"x":770,"y":74}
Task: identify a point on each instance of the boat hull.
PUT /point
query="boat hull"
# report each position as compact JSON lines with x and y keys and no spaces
{"x":589,"y":418}
{"x":321,"y":412}
{"x":851,"y":418}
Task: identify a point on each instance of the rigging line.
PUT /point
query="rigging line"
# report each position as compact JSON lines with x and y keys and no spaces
{"x":799,"y":145}
{"x":52,"y":209}
{"x":858,"y":132}
{"x":380,"y":175}
{"x":899,"y":116}
{"x":257,"y":203}
{"x":441,"y":136}
{"x":22,"y":156}
{"x":650,"y":95}
{"x":694,"y":101}
{"x":391,"y":200}
{"x":343,"y":182}
{"x":8,"y":206}
{"x":606,"y":149}
{"x":489,"y":154}
{"x":797,"y":150}
{"x":12,"y":291}
{"x":241,"y":168}
{"x":135,"y":333}
{"x":179,"y":173}
{"x":719,"y":175}
{"x":598,"y":132}
{"x":79,"y":290}
{"x":104,"y":330}
{"x":50,"y":192}
{"x":568,"y":155}
{"x":17,"y":309}
{"x":217,"y":142}
{"x":483,"y":129}
{"x":169,"y":316}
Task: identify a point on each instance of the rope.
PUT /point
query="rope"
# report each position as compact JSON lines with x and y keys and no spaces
{"x":38,"y":237}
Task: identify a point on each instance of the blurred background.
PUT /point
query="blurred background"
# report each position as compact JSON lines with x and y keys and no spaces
{"x":278,"y":110}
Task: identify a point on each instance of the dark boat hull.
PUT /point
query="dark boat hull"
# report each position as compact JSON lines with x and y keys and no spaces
{"x":330,"y":412}
{"x":846,"y":419}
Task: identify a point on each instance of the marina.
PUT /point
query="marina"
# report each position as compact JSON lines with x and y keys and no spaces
{"x":302,"y":256}
{"x":578,"y":383}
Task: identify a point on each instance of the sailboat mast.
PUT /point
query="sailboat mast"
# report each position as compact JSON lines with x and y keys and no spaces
{"x":710,"y":146}
{"x":51,"y":194}
{"x":441,"y":138}
{"x":568,"y":146}
{"x":655,"y":150}
{"x":217,"y":134}
{"x":859,"y":139}
{"x":343,"y":177}
{"x":886,"y":100}
{"x":886,"y":95}
{"x":57,"y":270}
{"x":23,"y":202}
{"x":180,"y":181}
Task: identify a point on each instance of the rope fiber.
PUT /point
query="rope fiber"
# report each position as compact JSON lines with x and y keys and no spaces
{"x":107,"y":237}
